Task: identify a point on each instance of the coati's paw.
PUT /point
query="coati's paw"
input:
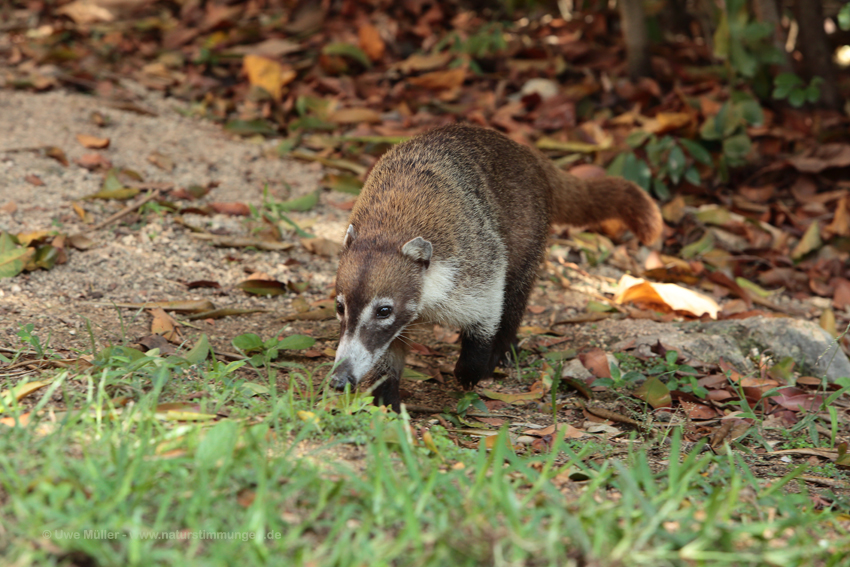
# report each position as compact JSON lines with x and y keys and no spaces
{"x":386,"y":393}
{"x":469,"y":373}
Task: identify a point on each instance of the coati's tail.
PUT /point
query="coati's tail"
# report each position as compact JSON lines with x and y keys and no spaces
{"x":582,"y":202}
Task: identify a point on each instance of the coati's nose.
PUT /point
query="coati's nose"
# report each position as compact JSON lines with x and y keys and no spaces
{"x":343,"y":375}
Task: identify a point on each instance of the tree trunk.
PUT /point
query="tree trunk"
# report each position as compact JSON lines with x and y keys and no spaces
{"x":637,"y":41}
{"x":813,"y":44}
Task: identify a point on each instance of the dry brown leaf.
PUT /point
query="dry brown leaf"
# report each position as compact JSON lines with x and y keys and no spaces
{"x":822,"y":157}
{"x":672,"y":296}
{"x":163,"y":162}
{"x":234,"y":209}
{"x":840,"y":225}
{"x":165,"y":325}
{"x":566,"y":430}
{"x":809,"y":242}
{"x":440,"y":80}
{"x":33,"y":179}
{"x":667,"y":122}
{"x":354,"y":116}
{"x":841,"y":297}
{"x":322,"y":246}
{"x":370,"y":42}
{"x":86,"y":11}
{"x":57,"y":154}
{"x":596,"y":362}
{"x":93,"y":162}
{"x":93,"y":142}
{"x":424,"y":62}
{"x":267,"y":74}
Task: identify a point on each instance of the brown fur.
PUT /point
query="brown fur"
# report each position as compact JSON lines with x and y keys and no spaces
{"x":480,"y":199}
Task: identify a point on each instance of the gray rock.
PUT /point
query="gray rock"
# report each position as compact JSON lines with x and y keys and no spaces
{"x":814,"y":350}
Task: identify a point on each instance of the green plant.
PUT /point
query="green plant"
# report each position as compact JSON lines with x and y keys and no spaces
{"x":746,"y":44}
{"x":486,"y":41}
{"x":665,"y":164}
{"x":844,"y":17}
{"x":728,"y":130}
{"x":792,"y":87}
{"x":618,"y":380}
{"x":681,"y":377}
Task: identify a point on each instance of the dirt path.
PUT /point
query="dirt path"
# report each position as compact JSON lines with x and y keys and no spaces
{"x":148,"y":258}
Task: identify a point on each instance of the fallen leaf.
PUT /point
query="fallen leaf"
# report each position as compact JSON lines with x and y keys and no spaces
{"x":840,"y":225}
{"x":809,"y":242}
{"x":163,"y":162}
{"x":233,"y":209}
{"x":321,"y":312}
{"x":823,"y":156}
{"x":670,"y":296}
{"x":93,"y":142}
{"x":322,"y":246}
{"x":440,"y":80}
{"x":359,"y":115}
{"x":424,"y":62}
{"x":19,"y":392}
{"x":93,"y":162}
{"x":655,"y":393}
{"x":370,"y":42}
{"x":191,"y":306}
{"x":33,"y":179}
{"x":796,"y":399}
{"x":262,"y":287}
{"x":267,"y":74}
{"x":512,"y":398}
{"x":596,"y":362}
{"x":165,"y":325}
{"x":86,"y":11}
{"x":57,"y":154}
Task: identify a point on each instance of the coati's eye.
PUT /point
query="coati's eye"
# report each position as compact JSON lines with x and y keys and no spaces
{"x":340,"y":308}
{"x":383,"y":312}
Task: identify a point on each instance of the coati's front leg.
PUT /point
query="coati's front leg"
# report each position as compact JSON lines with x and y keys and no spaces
{"x":384,"y":378}
{"x":479,"y":354}
{"x":476,"y":358}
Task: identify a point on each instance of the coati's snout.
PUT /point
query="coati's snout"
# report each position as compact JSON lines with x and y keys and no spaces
{"x":378,"y":294}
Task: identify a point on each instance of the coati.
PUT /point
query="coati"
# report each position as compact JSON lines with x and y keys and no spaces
{"x":450,"y":228}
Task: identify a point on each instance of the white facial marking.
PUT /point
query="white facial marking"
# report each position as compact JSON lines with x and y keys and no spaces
{"x":361,"y":360}
{"x":351,"y":346}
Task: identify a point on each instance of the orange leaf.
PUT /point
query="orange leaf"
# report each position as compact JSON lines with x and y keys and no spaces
{"x":596,"y":362}
{"x":235,"y":209}
{"x":267,"y":74}
{"x":93,"y":142}
{"x":371,"y":42}
{"x":437,"y":80}
{"x":354,"y":116}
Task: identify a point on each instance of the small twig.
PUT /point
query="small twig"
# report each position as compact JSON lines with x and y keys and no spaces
{"x":125,"y":211}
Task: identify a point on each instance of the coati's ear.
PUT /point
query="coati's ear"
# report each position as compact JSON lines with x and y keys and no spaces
{"x":419,"y":250}
{"x":349,"y":236}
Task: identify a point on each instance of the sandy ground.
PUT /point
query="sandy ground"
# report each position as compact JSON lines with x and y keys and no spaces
{"x":147,"y":262}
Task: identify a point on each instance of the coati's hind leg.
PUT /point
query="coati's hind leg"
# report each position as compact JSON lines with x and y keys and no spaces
{"x":384,"y":378}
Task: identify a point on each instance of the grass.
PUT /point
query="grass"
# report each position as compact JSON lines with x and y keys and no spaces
{"x":145,"y":483}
